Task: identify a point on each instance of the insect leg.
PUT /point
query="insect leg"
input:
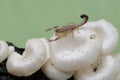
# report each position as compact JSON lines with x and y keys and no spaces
{"x":57,"y":38}
{"x":54,"y":28}
{"x":78,"y":30}
{"x":54,"y":39}
{"x":72,"y":34}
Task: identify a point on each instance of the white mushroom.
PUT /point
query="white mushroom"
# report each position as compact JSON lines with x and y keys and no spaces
{"x":55,"y":74}
{"x":30,"y":61}
{"x":4,"y":51}
{"x":69,"y":53}
{"x":108,"y":34}
{"x":92,"y":39}
{"x":107,"y":69}
{"x":118,"y":56}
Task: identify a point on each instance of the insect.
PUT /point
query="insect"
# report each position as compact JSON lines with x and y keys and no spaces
{"x":64,"y":30}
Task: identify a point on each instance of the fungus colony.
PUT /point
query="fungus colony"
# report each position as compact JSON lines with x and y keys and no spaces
{"x":85,"y":54}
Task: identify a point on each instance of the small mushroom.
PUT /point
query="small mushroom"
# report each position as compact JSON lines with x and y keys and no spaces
{"x":30,"y":61}
{"x":107,"y":70}
{"x":107,"y":33}
{"x":4,"y":51}
{"x":55,"y":74}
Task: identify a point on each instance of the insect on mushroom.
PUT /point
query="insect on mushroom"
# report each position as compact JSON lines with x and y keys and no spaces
{"x":64,"y":30}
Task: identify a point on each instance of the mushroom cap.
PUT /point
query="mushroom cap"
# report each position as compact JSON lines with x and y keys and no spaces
{"x":68,"y":54}
{"x":108,"y":69}
{"x":4,"y":51}
{"x":108,"y":33}
{"x":30,"y":61}
{"x":55,"y":74}
{"x":85,"y":45}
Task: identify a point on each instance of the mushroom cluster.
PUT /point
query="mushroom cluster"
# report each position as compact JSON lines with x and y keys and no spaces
{"x":87,"y":55}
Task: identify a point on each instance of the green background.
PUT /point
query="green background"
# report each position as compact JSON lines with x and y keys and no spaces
{"x":21,"y":20}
